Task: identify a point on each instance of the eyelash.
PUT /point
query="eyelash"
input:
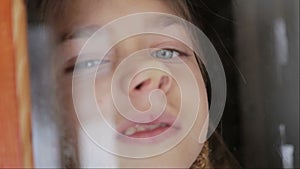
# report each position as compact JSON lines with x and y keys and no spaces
{"x":88,"y":64}
{"x":84,"y":64}
{"x":179,"y":53}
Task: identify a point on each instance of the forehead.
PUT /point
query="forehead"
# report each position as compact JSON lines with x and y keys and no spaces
{"x":68,"y":15}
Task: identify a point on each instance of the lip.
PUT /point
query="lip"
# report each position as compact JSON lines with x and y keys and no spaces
{"x":152,"y":135}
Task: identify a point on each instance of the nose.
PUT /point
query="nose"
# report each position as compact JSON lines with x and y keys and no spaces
{"x":148,"y":80}
{"x":145,"y":82}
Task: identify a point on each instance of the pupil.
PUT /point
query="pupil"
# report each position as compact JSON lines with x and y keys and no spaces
{"x":165,"y":54}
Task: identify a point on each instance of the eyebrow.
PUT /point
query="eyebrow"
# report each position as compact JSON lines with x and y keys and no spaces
{"x":87,"y":31}
{"x":82,"y":32}
{"x":166,"y":20}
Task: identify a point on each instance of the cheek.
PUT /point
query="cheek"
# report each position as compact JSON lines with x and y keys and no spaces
{"x":203,"y":104}
{"x":64,"y":93}
{"x":199,"y":78}
{"x":103,"y":94}
{"x":174,"y":96}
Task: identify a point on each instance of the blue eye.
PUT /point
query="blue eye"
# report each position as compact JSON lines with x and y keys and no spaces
{"x":85,"y":65}
{"x":165,"y":53}
{"x":88,"y":64}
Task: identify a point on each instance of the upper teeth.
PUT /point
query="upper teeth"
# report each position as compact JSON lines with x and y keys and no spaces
{"x":130,"y":131}
{"x":143,"y":127}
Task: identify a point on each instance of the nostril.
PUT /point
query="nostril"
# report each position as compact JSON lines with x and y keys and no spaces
{"x":142,"y":84}
{"x":138,"y":87}
{"x":163,"y":82}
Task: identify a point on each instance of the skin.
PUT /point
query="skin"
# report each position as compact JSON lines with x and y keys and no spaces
{"x":188,"y":149}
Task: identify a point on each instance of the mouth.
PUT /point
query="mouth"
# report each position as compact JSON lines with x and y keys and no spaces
{"x":148,"y":131}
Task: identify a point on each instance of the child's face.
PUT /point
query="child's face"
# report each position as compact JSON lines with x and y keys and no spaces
{"x":86,"y":18}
